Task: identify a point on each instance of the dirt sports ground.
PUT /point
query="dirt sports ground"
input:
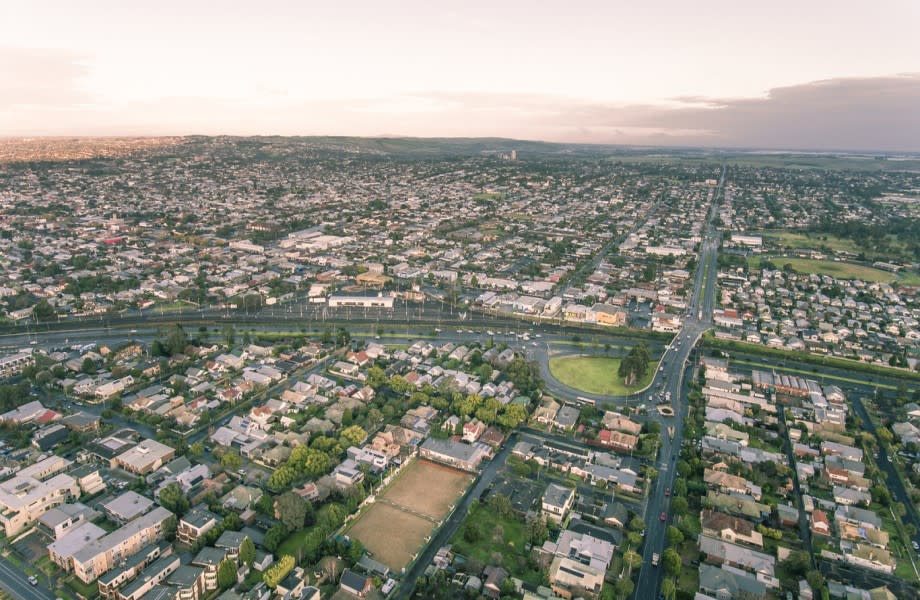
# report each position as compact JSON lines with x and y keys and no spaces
{"x":396,"y":525}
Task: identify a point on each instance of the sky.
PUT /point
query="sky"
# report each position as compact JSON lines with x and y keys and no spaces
{"x":784,"y":74}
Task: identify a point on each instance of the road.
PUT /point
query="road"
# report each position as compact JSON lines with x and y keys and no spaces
{"x":673,"y":368}
{"x":14,"y":581}
{"x":450,"y":526}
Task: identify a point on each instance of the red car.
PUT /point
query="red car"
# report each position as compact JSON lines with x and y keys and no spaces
{"x":663,"y":516}
{"x":667,"y":492}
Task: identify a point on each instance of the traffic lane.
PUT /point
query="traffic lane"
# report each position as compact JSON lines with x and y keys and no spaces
{"x":17,"y":583}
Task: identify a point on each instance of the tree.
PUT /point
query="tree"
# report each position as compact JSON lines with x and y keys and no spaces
{"x":671,"y":561}
{"x":226,"y":574}
{"x":668,"y":589}
{"x":636,"y":524}
{"x":631,"y":559}
{"x":247,"y":552}
{"x":815,"y":580}
{"x":624,"y":587}
{"x":229,"y":333}
{"x":196,"y":449}
{"x":679,"y":505}
{"x":675,"y":537}
{"x":512,"y":416}
{"x":291,"y":510}
{"x":43,"y":310}
{"x":173,"y":499}
{"x":274,"y":536}
{"x":88,"y":366}
{"x":278,"y":571}
{"x":797,"y":564}
{"x":352,"y":436}
{"x":230,"y":460}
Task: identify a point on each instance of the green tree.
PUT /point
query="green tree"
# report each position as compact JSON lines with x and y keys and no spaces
{"x":230,"y":460}
{"x":173,"y":499}
{"x":671,"y":561}
{"x":815,"y":580}
{"x":291,"y":510}
{"x":679,"y":505}
{"x":229,"y":334}
{"x":247,"y":552}
{"x":668,"y":589}
{"x":352,"y":436}
{"x":512,"y":415}
{"x":624,"y":587}
{"x":675,"y":537}
{"x":43,"y":310}
{"x":274,"y":536}
{"x":226,"y":574}
{"x":88,"y":366}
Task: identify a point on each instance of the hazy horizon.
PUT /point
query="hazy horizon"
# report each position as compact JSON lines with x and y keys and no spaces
{"x":824,"y":77}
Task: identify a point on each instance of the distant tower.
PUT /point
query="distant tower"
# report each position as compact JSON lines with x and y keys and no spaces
{"x":514,"y":155}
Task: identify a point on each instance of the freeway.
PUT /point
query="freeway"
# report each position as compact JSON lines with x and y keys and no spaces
{"x":672,"y":378}
{"x":14,"y":581}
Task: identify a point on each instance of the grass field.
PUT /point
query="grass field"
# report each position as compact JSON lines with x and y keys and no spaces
{"x":395,"y":527}
{"x":840,"y":270}
{"x":816,"y":241}
{"x":594,"y":374}
{"x":428,"y":488}
{"x":393,"y":536}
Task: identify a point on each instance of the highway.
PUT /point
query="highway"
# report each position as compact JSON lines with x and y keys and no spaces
{"x":671,"y":377}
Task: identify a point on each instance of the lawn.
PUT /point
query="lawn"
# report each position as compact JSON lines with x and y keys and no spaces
{"x":840,"y":270}
{"x":499,"y":538}
{"x":595,"y":374}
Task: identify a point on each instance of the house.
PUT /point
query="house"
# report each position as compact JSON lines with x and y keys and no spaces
{"x":356,"y":583}
{"x":195,"y":523}
{"x":570,"y":578}
{"x":820,"y":524}
{"x":724,"y":553}
{"x":455,"y":454}
{"x":583,"y":547}
{"x":557,"y":502}
{"x":565,"y":418}
{"x":492,"y":586}
{"x":472,"y":430}
{"x":725,"y":584}
{"x":730,"y":528}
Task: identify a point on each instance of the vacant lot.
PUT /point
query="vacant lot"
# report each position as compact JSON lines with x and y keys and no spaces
{"x":841,"y":270}
{"x":595,"y":374}
{"x":395,"y":527}
{"x":428,"y":488}
{"x":392,"y":535}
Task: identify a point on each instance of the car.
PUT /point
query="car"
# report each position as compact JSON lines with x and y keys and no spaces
{"x":33,"y":580}
{"x":655,"y":558}
{"x":667,"y":492}
{"x":915,"y":545}
{"x":241,"y":471}
{"x":663,"y":516}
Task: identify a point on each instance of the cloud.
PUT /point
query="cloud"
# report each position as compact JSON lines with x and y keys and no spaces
{"x":37,"y":77}
{"x":866,"y":113}
{"x":870,"y":113}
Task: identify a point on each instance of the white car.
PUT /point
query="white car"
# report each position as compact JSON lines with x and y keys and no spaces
{"x":33,"y":580}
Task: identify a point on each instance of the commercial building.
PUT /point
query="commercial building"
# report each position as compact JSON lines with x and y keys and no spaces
{"x":147,"y":456}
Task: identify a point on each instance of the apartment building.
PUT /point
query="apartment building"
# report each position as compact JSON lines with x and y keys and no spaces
{"x":32,"y":491}
{"x":97,"y":557}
